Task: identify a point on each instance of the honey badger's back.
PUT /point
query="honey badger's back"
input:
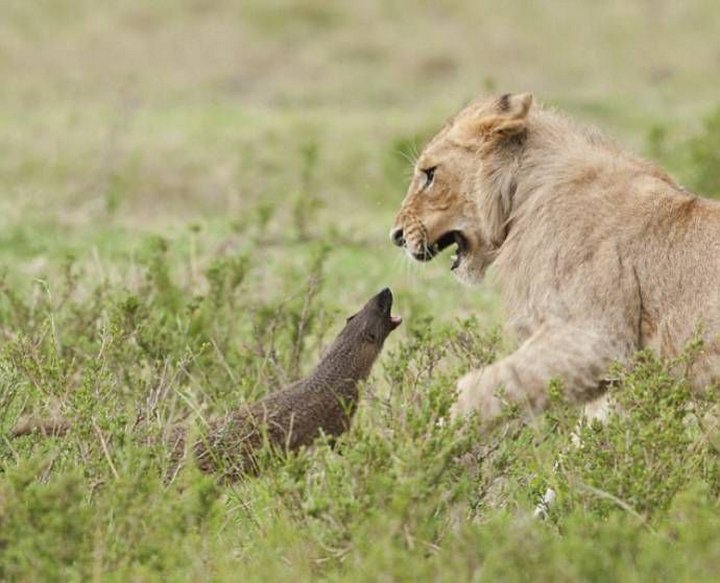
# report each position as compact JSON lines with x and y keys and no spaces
{"x":285,"y":420}
{"x":322,"y":403}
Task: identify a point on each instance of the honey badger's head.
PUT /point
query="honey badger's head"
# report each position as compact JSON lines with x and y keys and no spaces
{"x":361,"y":340}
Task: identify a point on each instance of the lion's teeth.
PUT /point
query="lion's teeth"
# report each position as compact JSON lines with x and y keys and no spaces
{"x":455,"y":261}
{"x":454,"y":257}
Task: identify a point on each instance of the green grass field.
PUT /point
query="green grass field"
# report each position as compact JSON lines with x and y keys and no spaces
{"x":194,"y":195}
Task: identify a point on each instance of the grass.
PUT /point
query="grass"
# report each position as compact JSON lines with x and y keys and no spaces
{"x":177,"y":178}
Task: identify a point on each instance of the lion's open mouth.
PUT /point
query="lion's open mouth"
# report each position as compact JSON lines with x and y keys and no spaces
{"x":445,"y":241}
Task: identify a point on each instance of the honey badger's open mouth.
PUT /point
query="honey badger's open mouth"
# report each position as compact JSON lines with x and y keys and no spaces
{"x":385,"y":302}
{"x":445,"y":241}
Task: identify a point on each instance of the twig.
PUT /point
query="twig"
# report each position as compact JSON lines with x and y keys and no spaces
{"x":105,"y":450}
{"x":619,"y":501}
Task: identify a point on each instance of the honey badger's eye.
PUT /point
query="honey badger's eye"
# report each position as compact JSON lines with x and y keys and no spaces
{"x":429,"y":175}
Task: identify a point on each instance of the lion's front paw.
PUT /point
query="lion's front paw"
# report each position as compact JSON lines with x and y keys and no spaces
{"x":474,"y":396}
{"x":466,"y":402}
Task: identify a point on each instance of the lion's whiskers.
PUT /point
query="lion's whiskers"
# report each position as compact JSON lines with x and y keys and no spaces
{"x":410,"y":158}
{"x":406,"y":265}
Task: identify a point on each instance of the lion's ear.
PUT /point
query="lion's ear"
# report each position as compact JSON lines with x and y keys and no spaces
{"x":515,"y":106}
{"x":512,"y":112}
{"x":506,"y":117}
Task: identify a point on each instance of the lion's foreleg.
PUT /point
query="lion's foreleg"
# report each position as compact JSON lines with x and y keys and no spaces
{"x":577,"y":356}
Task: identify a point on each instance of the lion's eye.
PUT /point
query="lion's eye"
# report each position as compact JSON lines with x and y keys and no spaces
{"x":429,"y":175}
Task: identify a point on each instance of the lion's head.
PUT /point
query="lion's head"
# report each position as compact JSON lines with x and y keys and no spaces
{"x":462,"y":187}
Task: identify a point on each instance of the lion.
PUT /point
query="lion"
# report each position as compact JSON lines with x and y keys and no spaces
{"x":597,"y":252}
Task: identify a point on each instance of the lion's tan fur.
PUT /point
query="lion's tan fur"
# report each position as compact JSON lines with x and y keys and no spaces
{"x":598,"y":253}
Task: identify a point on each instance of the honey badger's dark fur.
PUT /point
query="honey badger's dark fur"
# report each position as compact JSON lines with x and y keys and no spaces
{"x":323,"y":402}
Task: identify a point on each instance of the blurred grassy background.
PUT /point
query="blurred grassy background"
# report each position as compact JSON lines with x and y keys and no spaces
{"x":205,"y":121}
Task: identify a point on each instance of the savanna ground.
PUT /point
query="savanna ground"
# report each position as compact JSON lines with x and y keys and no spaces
{"x":195,"y":194}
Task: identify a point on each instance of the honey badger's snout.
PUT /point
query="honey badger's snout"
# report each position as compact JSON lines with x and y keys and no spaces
{"x":383,"y":302}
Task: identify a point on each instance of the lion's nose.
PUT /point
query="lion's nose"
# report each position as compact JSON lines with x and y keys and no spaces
{"x":396,"y":235}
